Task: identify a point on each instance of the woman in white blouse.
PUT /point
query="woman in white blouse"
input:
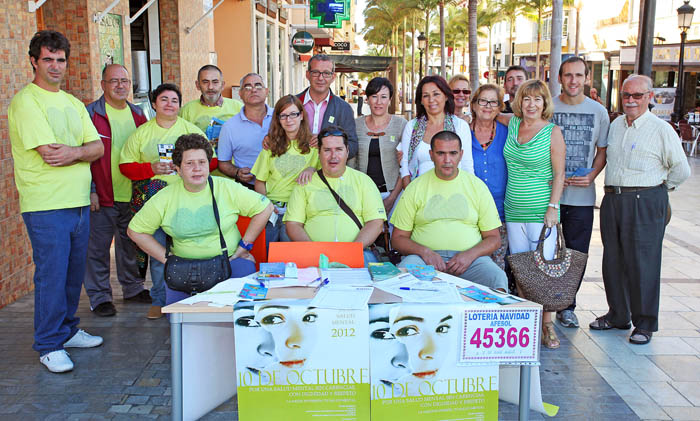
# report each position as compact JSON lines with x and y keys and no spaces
{"x":435,"y":107}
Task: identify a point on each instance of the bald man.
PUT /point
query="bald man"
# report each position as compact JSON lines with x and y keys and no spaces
{"x":115,"y":119}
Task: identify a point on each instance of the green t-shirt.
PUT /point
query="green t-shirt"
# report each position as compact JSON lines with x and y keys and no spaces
{"x":142,"y":145}
{"x":39,"y":117}
{"x":314,"y":206}
{"x":446,"y":215}
{"x":200,"y":115}
{"x":189,"y":217}
{"x":280,"y":173}
{"x":121,"y":123}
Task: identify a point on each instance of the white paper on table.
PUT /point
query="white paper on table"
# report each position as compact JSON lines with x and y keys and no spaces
{"x":342,"y":297}
{"x":347,"y":276}
{"x":307,"y":275}
{"x":509,"y":389}
{"x":444,"y":292}
{"x":222,"y":294}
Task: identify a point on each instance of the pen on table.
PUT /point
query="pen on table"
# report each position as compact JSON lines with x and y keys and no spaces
{"x":323,"y":283}
{"x":417,"y":289}
{"x":315,"y":280}
{"x":262,"y":284}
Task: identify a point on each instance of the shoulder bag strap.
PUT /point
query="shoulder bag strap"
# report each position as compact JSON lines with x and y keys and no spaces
{"x":344,"y":206}
{"x":224,"y":249}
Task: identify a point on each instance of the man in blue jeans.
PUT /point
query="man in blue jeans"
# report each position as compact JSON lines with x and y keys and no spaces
{"x":53,"y":142}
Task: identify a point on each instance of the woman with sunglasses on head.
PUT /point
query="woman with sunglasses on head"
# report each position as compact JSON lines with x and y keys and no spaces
{"x":535,"y":154}
{"x":488,"y":139}
{"x":378,"y":134}
{"x":435,"y":112}
{"x":462,"y":92}
{"x":290,"y":160}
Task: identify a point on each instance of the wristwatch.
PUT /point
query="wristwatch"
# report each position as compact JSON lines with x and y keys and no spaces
{"x":554,"y":205}
{"x":247,"y":246}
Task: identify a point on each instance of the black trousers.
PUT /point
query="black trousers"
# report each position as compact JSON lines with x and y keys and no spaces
{"x":632,"y":229}
{"x":577,"y":227}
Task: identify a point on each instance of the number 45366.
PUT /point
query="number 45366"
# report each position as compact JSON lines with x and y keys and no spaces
{"x":500,"y":338}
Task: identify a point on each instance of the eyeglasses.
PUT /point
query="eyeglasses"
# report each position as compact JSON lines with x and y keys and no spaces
{"x":636,"y":95}
{"x":283,"y":117}
{"x":119,"y":81}
{"x":258,"y":86}
{"x":487,"y":103}
{"x":462,"y":91}
{"x":316,"y":73}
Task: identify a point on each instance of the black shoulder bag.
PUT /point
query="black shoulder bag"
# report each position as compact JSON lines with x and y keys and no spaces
{"x":344,"y":206}
{"x":197,"y":275}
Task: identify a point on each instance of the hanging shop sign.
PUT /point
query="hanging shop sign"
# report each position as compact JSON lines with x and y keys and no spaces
{"x":330,"y":13}
{"x":302,"y":42}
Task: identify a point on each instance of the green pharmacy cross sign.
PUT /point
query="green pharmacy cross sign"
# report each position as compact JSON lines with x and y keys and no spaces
{"x":330,"y":13}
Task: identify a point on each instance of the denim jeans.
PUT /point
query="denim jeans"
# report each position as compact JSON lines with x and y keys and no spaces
{"x":158,"y":273}
{"x":276,"y":232}
{"x":59,"y":241}
{"x":482,"y":271}
{"x":239,"y":269}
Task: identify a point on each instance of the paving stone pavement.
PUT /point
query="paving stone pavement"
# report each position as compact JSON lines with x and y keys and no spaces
{"x":592,"y":376}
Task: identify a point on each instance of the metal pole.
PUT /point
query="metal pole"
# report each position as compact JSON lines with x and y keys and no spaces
{"x":420,"y":70}
{"x":645,"y":38}
{"x":403,"y":69}
{"x":524,"y":399}
{"x":176,"y":365}
{"x":678,"y":106}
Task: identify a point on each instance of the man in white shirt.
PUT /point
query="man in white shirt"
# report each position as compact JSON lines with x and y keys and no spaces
{"x":644,"y":161}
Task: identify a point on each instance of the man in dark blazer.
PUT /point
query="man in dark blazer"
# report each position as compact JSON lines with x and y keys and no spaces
{"x":322,"y":107}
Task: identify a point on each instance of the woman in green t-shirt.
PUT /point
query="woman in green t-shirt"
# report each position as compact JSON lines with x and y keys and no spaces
{"x":290,"y":160}
{"x":184,"y":211}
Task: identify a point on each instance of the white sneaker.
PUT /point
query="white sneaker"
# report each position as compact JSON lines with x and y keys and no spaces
{"x":82,"y":339}
{"x":57,"y":361}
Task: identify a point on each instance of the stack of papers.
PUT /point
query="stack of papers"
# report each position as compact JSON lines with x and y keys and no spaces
{"x":342,"y":297}
{"x":382,"y":271}
{"x":347,"y":276}
{"x":412,"y":289}
{"x":225,"y":293}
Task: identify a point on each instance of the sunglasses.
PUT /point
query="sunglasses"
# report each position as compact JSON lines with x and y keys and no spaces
{"x":462,"y":91}
{"x":326,"y":133}
{"x":636,"y":95}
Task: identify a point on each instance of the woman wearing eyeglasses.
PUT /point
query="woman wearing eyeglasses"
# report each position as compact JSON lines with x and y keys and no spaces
{"x":378,"y":134}
{"x":488,"y":139}
{"x":535,"y":154}
{"x":290,"y":160}
{"x":462,"y":92}
{"x":435,"y":106}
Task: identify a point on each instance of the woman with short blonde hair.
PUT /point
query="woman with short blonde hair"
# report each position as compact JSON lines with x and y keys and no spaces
{"x":461,"y":90}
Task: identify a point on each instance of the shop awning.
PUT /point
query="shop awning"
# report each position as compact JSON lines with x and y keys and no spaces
{"x":361,"y":64}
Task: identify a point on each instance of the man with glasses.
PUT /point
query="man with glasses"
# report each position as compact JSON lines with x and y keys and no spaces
{"x":645,"y":161}
{"x":53,"y":142}
{"x":240,"y":141}
{"x":584,"y":124}
{"x":322,"y":107}
{"x":515,"y":76}
{"x":211,"y":104}
{"x":447,"y":218}
{"x":115,"y":120}
{"x":313,"y":213}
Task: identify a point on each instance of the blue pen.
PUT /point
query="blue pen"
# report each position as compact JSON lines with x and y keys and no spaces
{"x":315,"y":280}
{"x":322,"y":284}
{"x":262,"y":284}
{"x":417,"y":289}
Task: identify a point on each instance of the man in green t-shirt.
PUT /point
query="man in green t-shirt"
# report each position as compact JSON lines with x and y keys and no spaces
{"x":211,"y":104}
{"x":313,"y":214}
{"x":447,"y":218}
{"x":115,"y":120}
{"x":53,"y":142}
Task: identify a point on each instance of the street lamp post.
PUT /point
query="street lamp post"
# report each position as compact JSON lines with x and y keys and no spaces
{"x":497,"y":54}
{"x":685,"y":18}
{"x":422,"y":41}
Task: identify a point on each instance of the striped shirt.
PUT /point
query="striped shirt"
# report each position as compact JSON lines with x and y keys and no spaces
{"x":529,"y":174}
{"x":645,"y":153}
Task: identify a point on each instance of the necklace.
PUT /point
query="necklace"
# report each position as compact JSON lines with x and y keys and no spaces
{"x":493,"y":132}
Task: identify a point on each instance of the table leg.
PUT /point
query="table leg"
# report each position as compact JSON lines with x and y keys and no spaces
{"x":524,"y":399}
{"x":176,"y":365}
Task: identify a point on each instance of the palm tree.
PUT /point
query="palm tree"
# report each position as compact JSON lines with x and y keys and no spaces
{"x":473,"y":44}
{"x":510,"y":10}
{"x":539,"y":7}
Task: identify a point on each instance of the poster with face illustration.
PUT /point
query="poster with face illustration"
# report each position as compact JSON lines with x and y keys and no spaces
{"x":296,"y":362}
{"x":414,"y":367}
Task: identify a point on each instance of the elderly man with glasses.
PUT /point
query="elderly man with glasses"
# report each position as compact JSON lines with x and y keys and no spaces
{"x":339,"y":203}
{"x":322,"y":107}
{"x":241,"y":137}
{"x":115,"y":120}
{"x":645,"y":161}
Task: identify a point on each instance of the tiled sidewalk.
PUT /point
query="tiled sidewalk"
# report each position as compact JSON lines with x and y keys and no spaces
{"x":593,"y":376}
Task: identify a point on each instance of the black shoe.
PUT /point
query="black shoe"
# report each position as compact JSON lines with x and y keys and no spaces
{"x":142,"y":297}
{"x":105,"y":309}
{"x":601,"y":323}
{"x":640,"y":336}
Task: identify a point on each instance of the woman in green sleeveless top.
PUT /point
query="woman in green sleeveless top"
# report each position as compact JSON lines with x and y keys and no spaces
{"x":535,"y":154}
